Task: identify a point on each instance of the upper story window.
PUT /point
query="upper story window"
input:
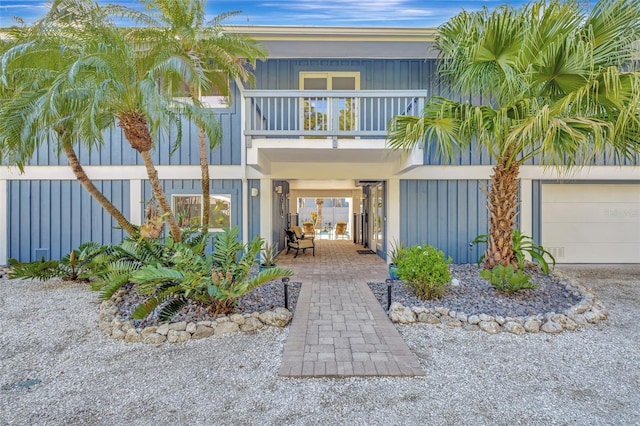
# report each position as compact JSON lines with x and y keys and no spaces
{"x":188,"y":210}
{"x":327,"y":113}
{"x":216,"y":96}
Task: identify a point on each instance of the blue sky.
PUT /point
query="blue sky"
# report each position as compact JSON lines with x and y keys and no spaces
{"x":359,"y":13}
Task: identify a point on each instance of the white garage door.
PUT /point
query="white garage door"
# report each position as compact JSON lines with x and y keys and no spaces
{"x":594,"y":223}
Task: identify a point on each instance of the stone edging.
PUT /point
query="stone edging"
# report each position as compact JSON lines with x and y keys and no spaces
{"x":115,"y":326}
{"x":588,"y":310}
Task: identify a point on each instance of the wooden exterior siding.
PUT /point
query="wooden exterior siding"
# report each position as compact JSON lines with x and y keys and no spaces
{"x":447,"y":214}
{"x":117,"y":151}
{"x":59,"y":215}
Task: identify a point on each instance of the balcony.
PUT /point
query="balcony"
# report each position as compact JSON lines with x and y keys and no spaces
{"x":307,"y":126}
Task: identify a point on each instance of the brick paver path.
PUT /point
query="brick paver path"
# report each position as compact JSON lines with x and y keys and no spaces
{"x":339,"y":328}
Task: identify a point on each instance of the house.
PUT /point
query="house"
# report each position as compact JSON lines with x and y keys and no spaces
{"x":314,"y":127}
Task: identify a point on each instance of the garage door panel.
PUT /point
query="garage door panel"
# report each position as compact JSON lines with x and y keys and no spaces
{"x":602,"y":193}
{"x":592,"y":232}
{"x":585,"y":212}
{"x":601,"y":253}
{"x":594,"y":223}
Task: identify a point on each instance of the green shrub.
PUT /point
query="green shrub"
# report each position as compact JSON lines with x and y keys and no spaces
{"x":425,"y":269}
{"x":504,"y":278}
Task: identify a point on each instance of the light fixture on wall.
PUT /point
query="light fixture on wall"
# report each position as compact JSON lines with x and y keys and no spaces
{"x":254,"y":192}
{"x":278,"y":189}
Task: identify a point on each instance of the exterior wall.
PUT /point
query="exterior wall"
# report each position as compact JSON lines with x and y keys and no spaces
{"x":59,"y":215}
{"x":447,"y":214}
{"x":396,"y":74}
{"x":117,"y":151}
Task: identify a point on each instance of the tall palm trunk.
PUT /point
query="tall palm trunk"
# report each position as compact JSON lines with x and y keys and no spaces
{"x":88,"y":185}
{"x":136,"y":130}
{"x":502,"y":201}
{"x":204,"y":167}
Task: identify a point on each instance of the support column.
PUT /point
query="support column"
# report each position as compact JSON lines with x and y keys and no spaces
{"x":4,"y":222}
{"x":266,"y":208}
{"x":393,"y":211}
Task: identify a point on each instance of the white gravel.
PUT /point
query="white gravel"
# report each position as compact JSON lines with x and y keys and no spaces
{"x":49,"y":334}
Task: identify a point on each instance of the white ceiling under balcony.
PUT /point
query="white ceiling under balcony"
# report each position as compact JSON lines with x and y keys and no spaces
{"x":269,"y":156}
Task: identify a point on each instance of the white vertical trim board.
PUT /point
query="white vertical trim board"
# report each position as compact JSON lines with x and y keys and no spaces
{"x":135,"y":201}
{"x":266,"y":190}
{"x":246,"y":199}
{"x":393,"y":210}
{"x":526,"y":206}
{"x":4,"y":222}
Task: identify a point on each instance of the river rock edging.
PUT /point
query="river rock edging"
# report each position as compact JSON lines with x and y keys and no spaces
{"x":589,"y":310}
{"x":114,"y":325}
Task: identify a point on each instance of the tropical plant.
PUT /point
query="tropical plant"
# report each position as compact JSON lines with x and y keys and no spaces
{"x":425,"y":269}
{"x":268,"y":254}
{"x":33,"y":109}
{"x":217,"y":280}
{"x":395,"y":251}
{"x":506,"y":278}
{"x":523,"y":245}
{"x":393,"y":255}
{"x":208,"y":55}
{"x":108,"y":80}
{"x":554,"y":83}
{"x":81,"y":264}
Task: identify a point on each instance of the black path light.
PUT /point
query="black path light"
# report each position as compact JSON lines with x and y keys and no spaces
{"x":389,"y":282}
{"x":285,"y":283}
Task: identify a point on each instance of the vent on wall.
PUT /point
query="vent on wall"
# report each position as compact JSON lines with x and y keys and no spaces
{"x":557,"y":252}
{"x":42,"y":253}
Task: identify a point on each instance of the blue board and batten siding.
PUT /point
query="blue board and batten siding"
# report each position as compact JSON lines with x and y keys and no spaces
{"x":116,"y":150}
{"x":284,"y":74}
{"x":446,"y":214}
{"x":58,"y":216}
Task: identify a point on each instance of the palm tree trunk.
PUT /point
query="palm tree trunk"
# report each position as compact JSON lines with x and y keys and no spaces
{"x":88,"y":185}
{"x":160,"y":196}
{"x":502,"y":201}
{"x":204,"y":167}
{"x":136,"y":130}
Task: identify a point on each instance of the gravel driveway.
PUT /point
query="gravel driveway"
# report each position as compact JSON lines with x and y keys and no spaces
{"x":57,"y":368}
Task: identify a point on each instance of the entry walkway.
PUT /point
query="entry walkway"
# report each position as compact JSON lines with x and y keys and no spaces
{"x":339,"y":329}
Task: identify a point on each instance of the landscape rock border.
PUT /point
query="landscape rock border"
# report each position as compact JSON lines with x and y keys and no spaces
{"x":114,"y":325}
{"x":589,"y":310}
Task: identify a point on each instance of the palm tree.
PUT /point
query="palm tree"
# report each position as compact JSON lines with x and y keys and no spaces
{"x":178,"y":30}
{"x":32,"y":108}
{"x":123,"y":86}
{"x":558,"y":85}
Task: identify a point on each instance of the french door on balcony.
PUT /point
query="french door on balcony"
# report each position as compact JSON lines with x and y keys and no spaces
{"x":323,"y":113}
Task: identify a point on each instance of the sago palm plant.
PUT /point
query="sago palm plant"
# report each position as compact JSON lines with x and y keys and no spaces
{"x":217,"y":280}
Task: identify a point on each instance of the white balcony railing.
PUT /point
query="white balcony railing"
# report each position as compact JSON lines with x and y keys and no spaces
{"x":277,"y":113}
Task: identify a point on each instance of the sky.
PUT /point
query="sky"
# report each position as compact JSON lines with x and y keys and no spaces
{"x":351,"y":13}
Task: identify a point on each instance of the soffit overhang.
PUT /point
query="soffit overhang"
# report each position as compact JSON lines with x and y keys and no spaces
{"x":343,"y":42}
